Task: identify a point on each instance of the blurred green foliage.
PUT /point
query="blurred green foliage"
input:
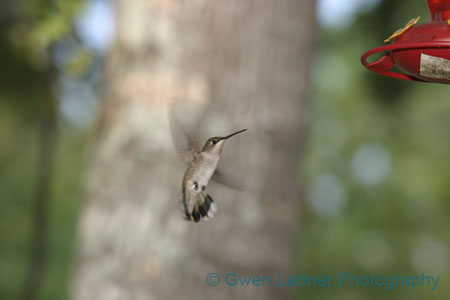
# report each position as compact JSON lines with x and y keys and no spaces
{"x":400,"y":225}
{"x":29,"y":31}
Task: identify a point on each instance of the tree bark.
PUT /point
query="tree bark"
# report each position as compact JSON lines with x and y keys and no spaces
{"x":224,"y":66}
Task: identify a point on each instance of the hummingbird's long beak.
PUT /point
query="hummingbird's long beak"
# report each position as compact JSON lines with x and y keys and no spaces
{"x":228,"y":136}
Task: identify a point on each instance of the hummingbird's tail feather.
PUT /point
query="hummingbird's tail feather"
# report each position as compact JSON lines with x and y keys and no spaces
{"x":195,"y":214}
{"x":205,"y":208}
{"x":208,"y":208}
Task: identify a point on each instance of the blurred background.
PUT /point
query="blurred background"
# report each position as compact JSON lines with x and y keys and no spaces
{"x":374,"y":172}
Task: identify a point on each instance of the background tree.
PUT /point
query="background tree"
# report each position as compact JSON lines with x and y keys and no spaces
{"x":228,"y":65}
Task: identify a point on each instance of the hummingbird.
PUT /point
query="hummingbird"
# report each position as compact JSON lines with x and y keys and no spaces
{"x":201,"y":166}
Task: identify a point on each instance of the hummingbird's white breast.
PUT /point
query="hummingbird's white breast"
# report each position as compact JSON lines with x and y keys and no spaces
{"x":204,"y":167}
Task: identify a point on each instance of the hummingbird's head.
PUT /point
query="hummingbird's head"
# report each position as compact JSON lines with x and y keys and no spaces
{"x":215,"y":144}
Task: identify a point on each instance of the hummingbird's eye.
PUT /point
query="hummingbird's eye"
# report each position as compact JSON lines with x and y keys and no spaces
{"x":214,"y":142}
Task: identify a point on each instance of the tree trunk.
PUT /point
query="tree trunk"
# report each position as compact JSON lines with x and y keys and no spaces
{"x":224,"y":66}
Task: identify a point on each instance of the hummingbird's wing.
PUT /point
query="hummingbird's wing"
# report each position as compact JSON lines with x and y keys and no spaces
{"x":184,"y":143}
{"x":226,"y":180}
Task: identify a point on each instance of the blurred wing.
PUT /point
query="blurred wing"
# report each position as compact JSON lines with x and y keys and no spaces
{"x":226,"y":180}
{"x":184,"y":143}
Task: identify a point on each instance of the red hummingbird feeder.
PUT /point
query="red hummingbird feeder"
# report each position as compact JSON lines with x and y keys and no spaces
{"x":421,"y":52}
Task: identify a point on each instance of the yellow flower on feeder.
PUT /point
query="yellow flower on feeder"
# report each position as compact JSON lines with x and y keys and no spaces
{"x":400,"y":31}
